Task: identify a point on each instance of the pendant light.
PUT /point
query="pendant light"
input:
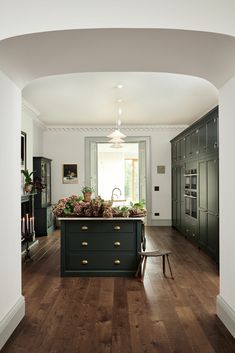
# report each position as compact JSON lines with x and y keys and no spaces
{"x":116,"y":137}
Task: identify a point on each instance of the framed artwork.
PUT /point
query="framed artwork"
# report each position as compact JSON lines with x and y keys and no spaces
{"x":23,"y":150}
{"x":70,"y":173}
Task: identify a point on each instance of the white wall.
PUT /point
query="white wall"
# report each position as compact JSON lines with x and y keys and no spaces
{"x":10,"y":236}
{"x":68,"y":147}
{"x":226,"y":299}
{"x":34,"y":134}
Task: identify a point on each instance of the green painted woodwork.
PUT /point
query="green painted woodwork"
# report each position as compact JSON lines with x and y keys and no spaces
{"x":100,"y":247}
{"x":199,"y":148}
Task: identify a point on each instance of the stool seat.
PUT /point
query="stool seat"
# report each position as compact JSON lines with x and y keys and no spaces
{"x":143,"y":259}
{"x":154,"y":253}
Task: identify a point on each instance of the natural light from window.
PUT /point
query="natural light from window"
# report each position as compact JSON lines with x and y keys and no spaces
{"x":118,"y":168}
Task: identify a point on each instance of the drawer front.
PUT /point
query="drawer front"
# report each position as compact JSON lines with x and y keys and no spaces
{"x":101,"y":261}
{"x":99,"y":242}
{"x":100,"y":226}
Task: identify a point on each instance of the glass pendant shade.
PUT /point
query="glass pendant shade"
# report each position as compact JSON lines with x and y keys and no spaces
{"x":116,"y":145}
{"x":117,"y":134}
{"x":116,"y":140}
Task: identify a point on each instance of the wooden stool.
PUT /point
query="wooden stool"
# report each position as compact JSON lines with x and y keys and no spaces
{"x":145,"y":254}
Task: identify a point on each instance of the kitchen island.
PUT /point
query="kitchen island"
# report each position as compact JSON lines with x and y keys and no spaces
{"x":100,"y":246}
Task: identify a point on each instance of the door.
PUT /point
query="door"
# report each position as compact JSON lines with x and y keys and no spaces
{"x":212,"y":135}
{"x":202,"y":139}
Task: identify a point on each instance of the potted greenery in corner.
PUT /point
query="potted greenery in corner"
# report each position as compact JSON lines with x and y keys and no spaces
{"x":28,"y":181}
{"x":87,"y":191}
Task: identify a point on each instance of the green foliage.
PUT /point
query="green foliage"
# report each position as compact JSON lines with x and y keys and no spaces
{"x":87,"y":189}
{"x":27,"y":176}
{"x":138,"y":205}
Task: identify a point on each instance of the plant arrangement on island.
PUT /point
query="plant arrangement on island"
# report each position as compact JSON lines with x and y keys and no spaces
{"x":87,"y":192}
{"x":75,"y":206}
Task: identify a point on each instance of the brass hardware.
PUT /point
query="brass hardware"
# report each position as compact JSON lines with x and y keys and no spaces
{"x":84,"y":227}
{"x":84,"y":243}
{"x":117,"y":227}
{"x":117,"y":262}
{"x":84,"y":262}
{"x":117,"y":243}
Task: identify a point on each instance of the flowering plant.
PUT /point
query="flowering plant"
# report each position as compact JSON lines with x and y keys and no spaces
{"x":97,"y":207}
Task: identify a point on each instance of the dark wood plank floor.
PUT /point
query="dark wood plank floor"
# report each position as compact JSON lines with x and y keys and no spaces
{"x":122,"y":315}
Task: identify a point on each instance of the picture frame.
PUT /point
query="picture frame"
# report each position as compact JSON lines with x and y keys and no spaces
{"x":23,"y":150}
{"x":70,"y":174}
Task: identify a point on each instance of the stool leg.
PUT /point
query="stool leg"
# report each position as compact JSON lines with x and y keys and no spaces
{"x":163,"y":265}
{"x":139,"y":267}
{"x":142,"y":276}
{"x":168,"y":261}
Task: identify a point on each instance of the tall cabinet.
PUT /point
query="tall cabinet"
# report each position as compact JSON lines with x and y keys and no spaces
{"x":42,"y":201}
{"x":195,"y":183}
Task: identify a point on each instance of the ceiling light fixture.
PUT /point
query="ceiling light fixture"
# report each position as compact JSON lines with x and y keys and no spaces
{"x":116,"y":137}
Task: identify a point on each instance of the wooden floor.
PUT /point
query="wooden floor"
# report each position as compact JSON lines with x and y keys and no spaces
{"x":122,"y":315}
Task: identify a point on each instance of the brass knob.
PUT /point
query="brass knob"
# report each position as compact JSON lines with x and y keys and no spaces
{"x":84,"y":243}
{"x":117,"y":262}
{"x":117,"y":227}
{"x":117,"y":243}
{"x":84,"y":227}
{"x":84,"y":262}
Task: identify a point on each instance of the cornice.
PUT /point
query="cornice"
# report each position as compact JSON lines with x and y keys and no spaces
{"x":34,"y":113}
{"x":108,"y":128}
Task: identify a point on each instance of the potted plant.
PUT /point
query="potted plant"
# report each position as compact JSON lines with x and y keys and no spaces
{"x":87,"y":191}
{"x":28,"y":181}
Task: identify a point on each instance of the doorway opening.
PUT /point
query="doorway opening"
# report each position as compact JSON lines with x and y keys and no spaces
{"x":122,"y":174}
{"x":118,"y":169}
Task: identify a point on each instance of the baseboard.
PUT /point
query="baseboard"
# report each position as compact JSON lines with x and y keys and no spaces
{"x":226,"y":314}
{"x":160,"y":223}
{"x":11,"y":320}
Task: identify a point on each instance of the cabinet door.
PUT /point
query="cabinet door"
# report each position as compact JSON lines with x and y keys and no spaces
{"x":213,"y":190}
{"x":188,"y":146}
{"x":202,"y":139}
{"x":203,"y":228}
{"x":178,"y":214}
{"x":213,"y":236}
{"x":174,"y":213}
{"x":183,"y":149}
{"x":212,"y":135}
{"x":174,"y":183}
{"x":203,"y":185}
{"x":173,"y":152}
{"x":178,"y":150}
{"x":194,"y":143}
{"x":178,"y":183}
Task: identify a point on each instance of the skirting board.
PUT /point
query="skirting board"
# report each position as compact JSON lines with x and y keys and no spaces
{"x":160,"y":223}
{"x":226,"y":314}
{"x":11,"y":320}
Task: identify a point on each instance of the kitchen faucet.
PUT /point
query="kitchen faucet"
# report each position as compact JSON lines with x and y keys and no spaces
{"x":115,"y":194}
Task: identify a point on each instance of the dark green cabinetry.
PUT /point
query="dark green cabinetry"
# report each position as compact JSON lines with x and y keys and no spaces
{"x":195,"y":187}
{"x":100,"y":247}
{"x":42,"y":202}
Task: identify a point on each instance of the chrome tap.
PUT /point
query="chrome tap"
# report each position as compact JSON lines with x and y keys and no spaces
{"x":115,"y":194}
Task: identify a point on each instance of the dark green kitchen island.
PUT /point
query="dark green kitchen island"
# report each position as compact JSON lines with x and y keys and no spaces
{"x":100,"y":246}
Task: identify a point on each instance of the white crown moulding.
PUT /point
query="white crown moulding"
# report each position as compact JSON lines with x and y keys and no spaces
{"x":107,"y":128}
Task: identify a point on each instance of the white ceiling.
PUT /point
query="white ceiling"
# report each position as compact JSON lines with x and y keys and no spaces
{"x":147,"y":98}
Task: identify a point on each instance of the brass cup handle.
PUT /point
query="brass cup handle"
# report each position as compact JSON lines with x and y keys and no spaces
{"x":117,"y":243}
{"x":84,"y":243}
{"x":84,"y":262}
{"x":84,"y":227}
{"x":117,"y":262}
{"x":117,"y":227}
